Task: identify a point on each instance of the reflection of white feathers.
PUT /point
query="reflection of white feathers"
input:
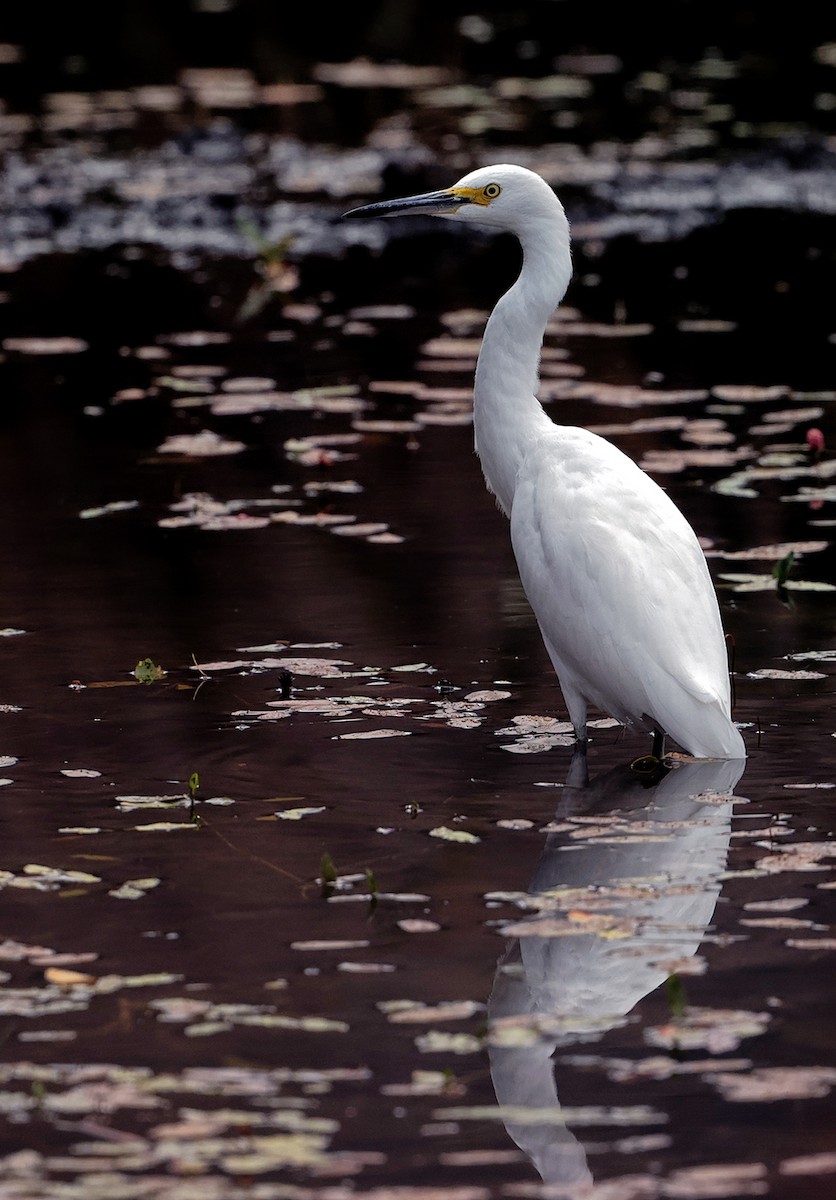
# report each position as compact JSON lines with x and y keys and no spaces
{"x":649,"y":860}
{"x":611,"y":567}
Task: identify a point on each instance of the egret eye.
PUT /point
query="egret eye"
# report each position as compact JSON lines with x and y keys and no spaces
{"x":491,"y":191}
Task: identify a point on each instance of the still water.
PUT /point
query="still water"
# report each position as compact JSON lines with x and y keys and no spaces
{"x":301,"y":898}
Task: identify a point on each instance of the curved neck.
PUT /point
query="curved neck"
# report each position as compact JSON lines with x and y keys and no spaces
{"x":507,"y":416}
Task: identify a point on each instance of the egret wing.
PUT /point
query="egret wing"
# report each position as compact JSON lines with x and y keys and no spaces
{"x":617,"y":580}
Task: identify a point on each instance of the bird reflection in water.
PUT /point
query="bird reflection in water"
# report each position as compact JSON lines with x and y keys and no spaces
{"x":641,"y":859}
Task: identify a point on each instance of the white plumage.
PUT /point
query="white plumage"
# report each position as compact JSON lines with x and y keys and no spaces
{"x":611,"y":568}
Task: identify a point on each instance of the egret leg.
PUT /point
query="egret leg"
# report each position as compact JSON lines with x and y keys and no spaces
{"x":658,"y":743}
{"x":578,"y":774}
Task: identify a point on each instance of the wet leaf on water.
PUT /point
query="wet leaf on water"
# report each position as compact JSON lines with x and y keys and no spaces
{"x":365,"y":530}
{"x":559,"y":1115}
{"x":165,"y":826}
{"x":515,"y":823}
{"x":76,"y":772}
{"x":779,"y":923}
{"x":418,"y":925}
{"x":781,"y":904}
{"x":717,"y":1182}
{"x":370,"y":734}
{"x":817,"y":944}
{"x":334,"y":944}
{"x":366,"y":968}
{"x":440,"y":1042}
{"x":768,"y":583}
{"x":454,"y":835}
{"x":777,"y":551}
{"x":717,"y":1030}
{"x":103,"y":510}
{"x":10,"y":632}
{"x":823,"y":1163}
{"x":296,"y":814}
{"x":538,"y":744}
{"x":134,"y":889}
{"x":59,"y":874}
{"x":480,"y":1158}
{"x":746,"y":393}
{"x":45,"y":345}
{"x":205,"y":444}
{"x":141,"y":803}
{"x":814,"y":656}
{"x":413,"y":1013}
{"x":536,"y":725}
{"x":796,"y":856}
{"x":66,"y":978}
{"x":765,"y":1084}
{"x":776,"y":673}
{"x":320,"y":667}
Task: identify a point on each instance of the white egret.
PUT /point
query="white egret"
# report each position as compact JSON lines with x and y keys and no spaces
{"x":613,"y":571}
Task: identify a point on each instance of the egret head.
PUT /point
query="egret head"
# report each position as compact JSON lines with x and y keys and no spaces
{"x":502,"y":197}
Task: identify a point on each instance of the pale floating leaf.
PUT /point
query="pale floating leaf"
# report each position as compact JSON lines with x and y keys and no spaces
{"x":765,"y":1084}
{"x":296,"y":814}
{"x":804,"y":787}
{"x":59,"y":874}
{"x":487,"y":697}
{"x":717,"y":1030}
{"x":776,"y":550}
{"x":775,"y":673}
{"x":371,"y":734}
{"x":366,"y":968}
{"x":208,"y":1028}
{"x":454,"y":835}
{"x":559,"y":1115}
{"x":781,"y":904}
{"x":205,"y":444}
{"x":537,"y":725}
{"x":134,"y":889}
{"x":418,"y":925}
{"x":408,"y":1012}
{"x":814,"y":656}
{"x":368,"y":529}
{"x":66,"y":978}
{"x":165,"y":826}
{"x":334,"y":944}
{"x":534,"y":744}
{"x":45,"y":345}
{"x":440,"y":1042}
{"x":78,"y":772}
{"x":818,"y":944}
{"x":823,"y":1163}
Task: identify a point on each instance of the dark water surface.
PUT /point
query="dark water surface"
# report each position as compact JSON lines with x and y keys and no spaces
{"x":420,"y":964}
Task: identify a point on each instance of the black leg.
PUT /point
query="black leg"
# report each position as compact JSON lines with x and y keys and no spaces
{"x":658,"y":743}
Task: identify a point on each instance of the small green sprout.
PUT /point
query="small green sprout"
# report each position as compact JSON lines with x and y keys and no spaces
{"x":328,"y":875}
{"x":783,"y":567}
{"x":147,"y":671}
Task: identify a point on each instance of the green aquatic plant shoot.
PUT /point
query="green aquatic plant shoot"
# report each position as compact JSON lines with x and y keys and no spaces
{"x":783,"y":567}
{"x":328,"y":874}
{"x":147,"y":671}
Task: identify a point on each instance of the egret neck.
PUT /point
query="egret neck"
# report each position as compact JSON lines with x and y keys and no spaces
{"x":508,"y":418}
